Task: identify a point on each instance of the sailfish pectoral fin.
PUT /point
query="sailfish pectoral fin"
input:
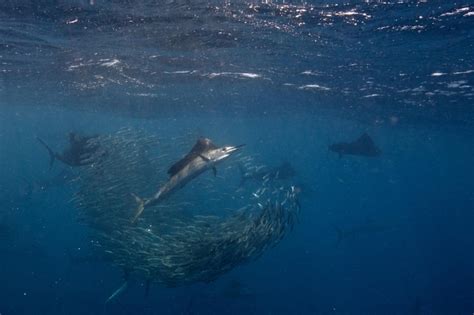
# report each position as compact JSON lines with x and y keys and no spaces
{"x":214,"y":170}
{"x":139,"y":209}
{"x":204,"y":158}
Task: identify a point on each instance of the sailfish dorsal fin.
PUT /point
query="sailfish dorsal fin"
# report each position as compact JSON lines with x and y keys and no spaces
{"x":365,"y":140}
{"x":202,"y":145}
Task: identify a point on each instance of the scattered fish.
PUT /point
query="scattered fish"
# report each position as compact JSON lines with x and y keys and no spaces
{"x":284,"y":171}
{"x":117,"y":292}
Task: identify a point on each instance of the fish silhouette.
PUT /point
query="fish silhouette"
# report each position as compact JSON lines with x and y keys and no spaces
{"x":363,"y":146}
{"x":79,"y":152}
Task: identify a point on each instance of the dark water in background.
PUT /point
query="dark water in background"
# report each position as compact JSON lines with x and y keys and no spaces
{"x":287,"y":79}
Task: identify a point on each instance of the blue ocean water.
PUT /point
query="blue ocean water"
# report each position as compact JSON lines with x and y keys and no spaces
{"x":391,"y":234}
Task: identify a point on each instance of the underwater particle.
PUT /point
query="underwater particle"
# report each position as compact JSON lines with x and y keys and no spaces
{"x":394,"y":120}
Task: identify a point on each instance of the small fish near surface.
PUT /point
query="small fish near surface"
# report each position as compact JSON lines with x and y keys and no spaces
{"x":363,"y":146}
{"x":203,"y":156}
{"x":80,"y":151}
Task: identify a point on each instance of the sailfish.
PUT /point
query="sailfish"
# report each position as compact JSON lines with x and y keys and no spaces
{"x":203,"y":156}
{"x":362,"y":146}
{"x":79,"y":153}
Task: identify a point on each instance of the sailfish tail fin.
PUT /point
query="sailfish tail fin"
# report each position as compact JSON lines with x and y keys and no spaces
{"x":139,"y":209}
{"x":52,"y":155}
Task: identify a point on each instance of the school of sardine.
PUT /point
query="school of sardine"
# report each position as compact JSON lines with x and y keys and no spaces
{"x":203,"y":231}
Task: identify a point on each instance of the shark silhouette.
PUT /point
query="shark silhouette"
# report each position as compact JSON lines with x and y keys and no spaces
{"x":363,"y":146}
